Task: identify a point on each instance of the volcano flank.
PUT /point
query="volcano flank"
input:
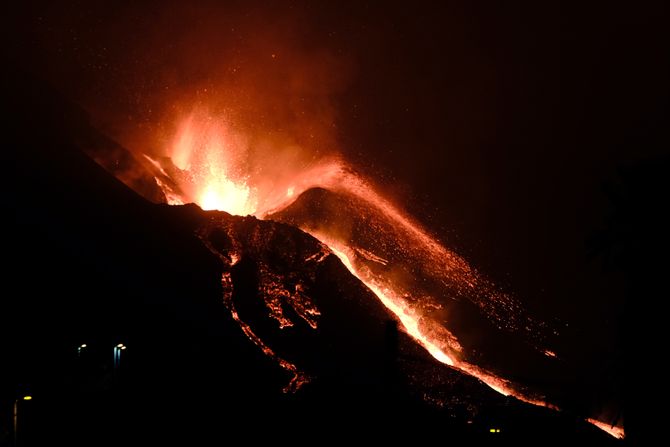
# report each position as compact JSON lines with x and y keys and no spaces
{"x":228,"y":320}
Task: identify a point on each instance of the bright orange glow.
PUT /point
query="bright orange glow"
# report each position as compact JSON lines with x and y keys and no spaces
{"x":613,"y":430}
{"x":226,"y":195}
{"x":407,"y":316}
{"x":444,"y":350}
{"x":274,"y":294}
{"x":549,"y":353}
{"x":210,"y":157}
{"x":219,"y":169}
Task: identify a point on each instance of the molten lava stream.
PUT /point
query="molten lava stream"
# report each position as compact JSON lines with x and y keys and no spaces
{"x":210,"y":166}
{"x":613,"y":430}
{"x":410,"y":322}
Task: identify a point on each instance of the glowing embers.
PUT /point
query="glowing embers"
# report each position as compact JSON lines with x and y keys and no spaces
{"x":277,"y":295}
{"x":277,"y":291}
{"x":549,"y":353}
{"x":299,"y":378}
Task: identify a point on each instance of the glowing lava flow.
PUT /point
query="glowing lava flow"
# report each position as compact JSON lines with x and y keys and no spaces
{"x":210,"y":167}
{"x":408,"y":319}
{"x":275,"y":294}
{"x":615,"y":431}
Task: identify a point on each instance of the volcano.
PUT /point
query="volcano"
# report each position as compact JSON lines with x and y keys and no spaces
{"x":229,"y":321}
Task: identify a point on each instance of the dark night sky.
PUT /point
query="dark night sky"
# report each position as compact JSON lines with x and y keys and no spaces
{"x":497,"y":125}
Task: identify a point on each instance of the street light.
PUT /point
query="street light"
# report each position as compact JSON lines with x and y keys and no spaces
{"x":117,"y":354}
{"x":16,"y":416}
{"x":80,"y":348}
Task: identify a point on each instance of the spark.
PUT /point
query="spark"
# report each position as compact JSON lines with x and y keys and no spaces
{"x":215,"y":173}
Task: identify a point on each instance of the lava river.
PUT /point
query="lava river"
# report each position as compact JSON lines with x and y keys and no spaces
{"x":430,"y":289}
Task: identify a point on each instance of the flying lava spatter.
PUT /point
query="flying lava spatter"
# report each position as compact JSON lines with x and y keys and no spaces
{"x":210,"y":165}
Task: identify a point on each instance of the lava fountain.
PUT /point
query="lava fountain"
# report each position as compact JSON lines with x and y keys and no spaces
{"x":203,"y":152}
{"x":213,"y":165}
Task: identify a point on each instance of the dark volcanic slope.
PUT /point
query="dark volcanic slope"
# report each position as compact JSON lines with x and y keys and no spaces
{"x":92,"y":262}
{"x":493,"y":328}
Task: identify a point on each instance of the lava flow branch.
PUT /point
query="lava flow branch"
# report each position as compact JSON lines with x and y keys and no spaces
{"x":212,"y":165}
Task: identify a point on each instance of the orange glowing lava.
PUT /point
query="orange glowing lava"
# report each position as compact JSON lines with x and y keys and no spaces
{"x":407,"y":316}
{"x":207,"y":153}
{"x":225,"y":195}
{"x":444,"y":351}
{"x":613,"y":430}
{"x":217,"y":168}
